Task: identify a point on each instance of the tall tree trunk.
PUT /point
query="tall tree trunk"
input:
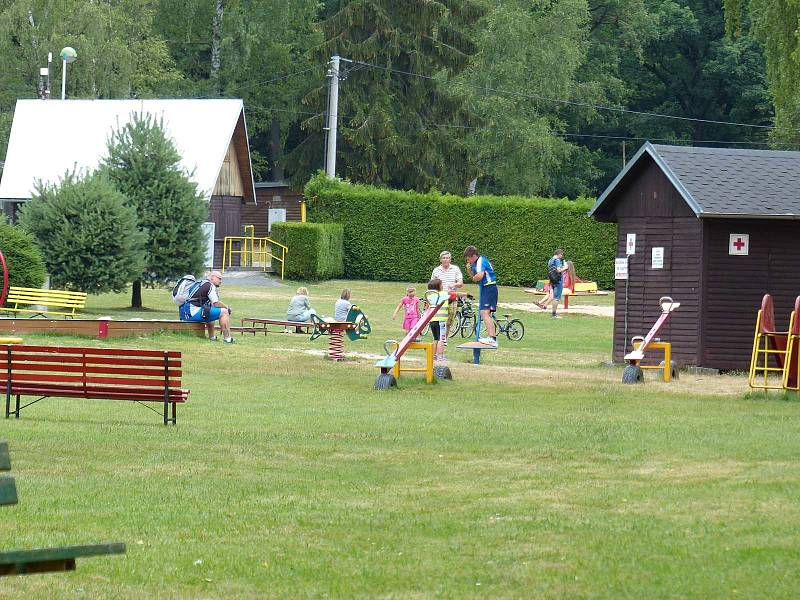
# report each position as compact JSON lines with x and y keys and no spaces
{"x":275,"y":164}
{"x":216,"y":39}
{"x":136,"y":294}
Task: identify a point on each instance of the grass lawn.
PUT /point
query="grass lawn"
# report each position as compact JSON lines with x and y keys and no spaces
{"x":534,"y":475}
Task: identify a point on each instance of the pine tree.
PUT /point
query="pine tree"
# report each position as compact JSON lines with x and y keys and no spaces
{"x":396,"y":129}
{"x":87,"y":233}
{"x":144,"y":165}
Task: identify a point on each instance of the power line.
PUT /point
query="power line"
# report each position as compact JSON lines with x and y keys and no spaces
{"x":566,"y":102}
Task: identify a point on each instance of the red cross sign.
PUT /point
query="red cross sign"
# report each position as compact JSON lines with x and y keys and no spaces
{"x":739,"y":244}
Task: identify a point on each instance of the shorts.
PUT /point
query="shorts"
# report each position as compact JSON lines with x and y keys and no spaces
{"x":488,"y":298}
{"x":436,"y":331}
{"x":214,"y":313}
{"x":409,"y":322}
{"x":557,"y":288}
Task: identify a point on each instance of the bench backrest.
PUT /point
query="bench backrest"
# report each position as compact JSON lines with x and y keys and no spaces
{"x":41,"y":297}
{"x":121,"y":372}
{"x":8,"y":489}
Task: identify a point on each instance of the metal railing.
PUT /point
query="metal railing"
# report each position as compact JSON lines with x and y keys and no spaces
{"x":253,"y":251}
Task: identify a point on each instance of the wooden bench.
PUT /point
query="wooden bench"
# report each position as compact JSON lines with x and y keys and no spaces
{"x":260,"y":325}
{"x":69,"y":302}
{"x":94,"y":373}
{"x":41,"y":560}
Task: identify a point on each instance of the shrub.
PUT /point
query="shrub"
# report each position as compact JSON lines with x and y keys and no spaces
{"x":397,"y":236}
{"x":315,"y":249}
{"x":23,"y":257}
{"x":87,"y":232}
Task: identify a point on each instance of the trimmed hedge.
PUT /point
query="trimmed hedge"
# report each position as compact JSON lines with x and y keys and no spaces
{"x":315,"y":249}
{"x":393,"y":235}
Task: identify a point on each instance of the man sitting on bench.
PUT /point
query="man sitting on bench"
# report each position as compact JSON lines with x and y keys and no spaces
{"x":205,"y":306}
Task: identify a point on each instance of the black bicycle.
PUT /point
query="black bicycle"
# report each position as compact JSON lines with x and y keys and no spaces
{"x":513,"y":328}
{"x":464,"y":321}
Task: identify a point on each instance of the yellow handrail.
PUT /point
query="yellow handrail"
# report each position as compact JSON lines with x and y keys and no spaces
{"x":253,"y":250}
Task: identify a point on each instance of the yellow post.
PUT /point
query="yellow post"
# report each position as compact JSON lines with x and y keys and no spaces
{"x":428,"y":369}
{"x":302,"y":211}
{"x":667,"y":362}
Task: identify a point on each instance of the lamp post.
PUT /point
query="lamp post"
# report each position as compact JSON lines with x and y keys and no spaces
{"x":67,"y":55}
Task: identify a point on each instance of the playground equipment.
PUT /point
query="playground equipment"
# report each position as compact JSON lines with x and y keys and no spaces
{"x":633,"y":371}
{"x":253,"y":251}
{"x":782,"y":345}
{"x":356,"y":327}
{"x":573,"y":286}
{"x":395,"y":350}
{"x":428,"y":369}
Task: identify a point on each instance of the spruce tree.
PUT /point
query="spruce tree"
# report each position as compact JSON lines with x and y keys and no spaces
{"x":87,"y":233}
{"x":144,"y":165}
{"x":23,"y":256}
{"x":395,"y":129}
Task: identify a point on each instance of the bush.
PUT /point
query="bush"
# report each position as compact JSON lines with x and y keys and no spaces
{"x":87,"y":232}
{"x":397,"y":236}
{"x":23,"y":257}
{"x":315,"y":249}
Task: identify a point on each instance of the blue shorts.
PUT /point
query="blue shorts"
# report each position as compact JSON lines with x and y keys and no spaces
{"x":214,"y":313}
{"x":557,"y":288}
{"x":488,"y":298}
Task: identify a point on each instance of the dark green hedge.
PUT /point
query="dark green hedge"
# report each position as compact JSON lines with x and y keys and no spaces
{"x":397,"y":236}
{"x":23,"y":257}
{"x":315,"y":249}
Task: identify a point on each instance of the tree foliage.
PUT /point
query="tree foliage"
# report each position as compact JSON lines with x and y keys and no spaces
{"x":143,"y":164}
{"x":23,"y":256}
{"x":87,"y":232}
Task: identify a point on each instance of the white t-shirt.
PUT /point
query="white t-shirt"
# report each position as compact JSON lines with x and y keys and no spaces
{"x":448,"y":277}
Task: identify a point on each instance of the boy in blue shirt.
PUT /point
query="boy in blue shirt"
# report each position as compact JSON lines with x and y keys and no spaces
{"x":480,"y":270}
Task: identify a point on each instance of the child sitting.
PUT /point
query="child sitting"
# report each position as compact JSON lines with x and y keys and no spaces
{"x":342,"y":306}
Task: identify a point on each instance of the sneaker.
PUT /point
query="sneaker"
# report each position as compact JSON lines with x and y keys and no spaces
{"x":555,"y":316}
{"x":213,"y":339}
{"x":230,"y":341}
{"x":488,"y":341}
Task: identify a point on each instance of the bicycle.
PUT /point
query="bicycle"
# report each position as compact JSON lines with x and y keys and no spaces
{"x":513,"y":328}
{"x":464,"y":322}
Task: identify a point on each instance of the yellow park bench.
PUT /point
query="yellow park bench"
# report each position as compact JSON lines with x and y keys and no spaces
{"x":41,"y":302}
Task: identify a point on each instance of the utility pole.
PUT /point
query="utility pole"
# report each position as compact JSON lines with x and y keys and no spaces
{"x":333,"y":116}
{"x":624,"y":158}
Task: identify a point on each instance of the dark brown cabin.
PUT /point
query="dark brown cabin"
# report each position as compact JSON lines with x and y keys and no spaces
{"x":727,"y":223}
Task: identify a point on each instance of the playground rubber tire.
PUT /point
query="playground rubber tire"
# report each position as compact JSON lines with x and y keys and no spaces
{"x":633,"y":374}
{"x":385,"y":381}
{"x":515,"y":330}
{"x":673,"y":369}
{"x":442,"y":372}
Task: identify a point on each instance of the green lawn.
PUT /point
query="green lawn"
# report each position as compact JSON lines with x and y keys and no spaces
{"x":536,"y":474}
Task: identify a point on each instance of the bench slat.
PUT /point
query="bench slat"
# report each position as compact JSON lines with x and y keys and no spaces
{"x":24,"y":348}
{"x":29,"y":558}
{"x":81,"y":380}
{"x":98,"y":393}
{"x":31,"y":367}
{"x":35,"y":358}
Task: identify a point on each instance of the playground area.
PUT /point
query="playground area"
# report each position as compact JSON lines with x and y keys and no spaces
{"x":534,"y":474}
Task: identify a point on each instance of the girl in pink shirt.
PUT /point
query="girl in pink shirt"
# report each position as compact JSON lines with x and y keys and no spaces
{"x":410,"y":306}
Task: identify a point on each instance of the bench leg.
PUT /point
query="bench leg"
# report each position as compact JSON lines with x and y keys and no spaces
{"x":8,"y":405}
{"x":174,"y":413}
{"x":17,"y":411}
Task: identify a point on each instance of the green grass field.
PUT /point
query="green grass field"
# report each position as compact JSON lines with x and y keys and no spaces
{"x":534,"y":475}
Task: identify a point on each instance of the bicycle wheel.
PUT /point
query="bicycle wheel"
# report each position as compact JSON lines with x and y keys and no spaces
{"x":467,"y":326}
{"x":456,"y":326}
{"x":515,"y":330}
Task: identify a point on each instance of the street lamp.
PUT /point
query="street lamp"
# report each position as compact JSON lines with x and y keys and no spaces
{"x":67,"y":55}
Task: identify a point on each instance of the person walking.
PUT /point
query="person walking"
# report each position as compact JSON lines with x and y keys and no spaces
{"x":555,"y":270}
{"x":481,"y":272}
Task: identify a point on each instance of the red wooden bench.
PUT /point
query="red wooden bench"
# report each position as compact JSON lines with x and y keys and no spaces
{"x":95,"y":373}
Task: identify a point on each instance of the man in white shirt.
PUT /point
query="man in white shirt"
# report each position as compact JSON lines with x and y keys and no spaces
{"x":452,"y":279}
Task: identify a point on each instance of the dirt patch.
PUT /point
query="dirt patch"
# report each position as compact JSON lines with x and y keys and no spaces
{"x":587,"y":309}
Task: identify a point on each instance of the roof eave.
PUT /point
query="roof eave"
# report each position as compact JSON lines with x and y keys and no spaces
{"x":647,"y":148}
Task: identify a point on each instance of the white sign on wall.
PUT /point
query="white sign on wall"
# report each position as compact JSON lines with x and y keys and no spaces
{"x":620,"y":268}
{"x":208,"y":230}
{"x":657,"y":258}
{"x":739,"y":244}
{"x":276,"y":215}
{"x":630,"y":246}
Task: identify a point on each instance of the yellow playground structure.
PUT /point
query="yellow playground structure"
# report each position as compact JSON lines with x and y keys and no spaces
{"x":258,"y":252}
{"x":775,"y":361}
